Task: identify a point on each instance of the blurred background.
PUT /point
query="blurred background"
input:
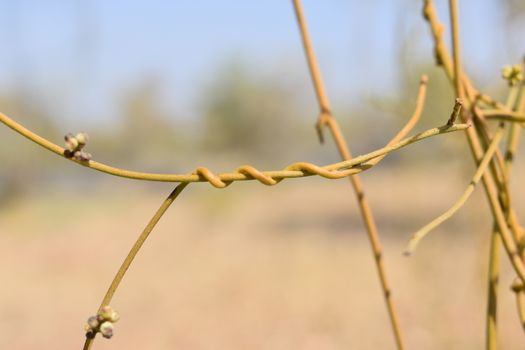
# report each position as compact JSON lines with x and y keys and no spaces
{"x":168,"y":86}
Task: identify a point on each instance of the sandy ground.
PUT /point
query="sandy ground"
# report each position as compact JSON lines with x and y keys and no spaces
{"x":250,"y":267}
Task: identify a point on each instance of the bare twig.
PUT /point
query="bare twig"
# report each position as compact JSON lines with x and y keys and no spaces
{"x":455,"y":112}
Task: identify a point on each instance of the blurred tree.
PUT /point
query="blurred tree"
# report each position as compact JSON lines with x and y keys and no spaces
{"x":244,"y":113}
{"x":20,"y":168}
{"x":145,"y":137}
{"x":514,"y":8}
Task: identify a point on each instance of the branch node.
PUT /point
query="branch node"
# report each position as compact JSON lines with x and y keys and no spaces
{"x":455,"y":112}
{"x":517,"y":286}
{"x":322,"y":121}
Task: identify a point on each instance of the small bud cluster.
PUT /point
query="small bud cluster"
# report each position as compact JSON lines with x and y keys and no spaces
{"x":513,"y":74}
{"x":75,"y":145}
{"x":102,"y":322}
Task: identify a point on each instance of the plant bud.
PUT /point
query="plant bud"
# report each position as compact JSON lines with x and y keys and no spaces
{"x":513,"y":74}
{"x":114,"y":316}
{"x":86,"y":156}
{"x":106,"y":329}
{"x":82,"y":156}
{"x":92,"y":322}
{"x":71,"y":144}
{"x":105,"y":312}
{"x":77,"y":155}
{"x":506,"y":72}
{"x":82,"y":138}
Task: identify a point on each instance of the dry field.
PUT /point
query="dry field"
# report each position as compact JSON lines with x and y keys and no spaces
{"x":250,"y":267}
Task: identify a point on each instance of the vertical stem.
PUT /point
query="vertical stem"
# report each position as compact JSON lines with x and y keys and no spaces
{"x":453,"y":8}
{"x":326,"y":118}
{"x":520,"y":303}
{"x":515,"y":129}
{"x":492,"y":303}
{"x":512,"y":146}
{"x":315,"y":73}
{"x":495,"y":241}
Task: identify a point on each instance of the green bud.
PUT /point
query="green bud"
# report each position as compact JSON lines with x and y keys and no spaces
{"x":506,"y":72}
{"x":513,"y":74}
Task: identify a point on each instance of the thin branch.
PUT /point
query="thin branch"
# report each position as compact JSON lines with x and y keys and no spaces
{"x":520,"y":301}
{"x":453,"y":8}
{"x":512,"y":145}
{"x":315,"y":73}
{"x":421,"y":233}
{"x":416,"y":114}
{"x":491,"y":338}
{"x":514,"y":117}
{"x":497,"y":167}
{"x":135,"y":249}
{"x":443,"y":57}
{"x":518,"y":288}
{"x":243,"y":173}
{"x":409,"y":125}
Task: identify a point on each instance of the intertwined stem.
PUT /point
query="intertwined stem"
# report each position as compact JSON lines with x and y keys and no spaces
{"x":245,"y":172}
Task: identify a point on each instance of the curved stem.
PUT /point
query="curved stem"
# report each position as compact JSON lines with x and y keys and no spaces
{"x":420,"y":234}
{"x":135,"y":249}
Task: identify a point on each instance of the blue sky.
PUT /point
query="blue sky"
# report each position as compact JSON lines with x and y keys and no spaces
{"x":75,"y":55}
